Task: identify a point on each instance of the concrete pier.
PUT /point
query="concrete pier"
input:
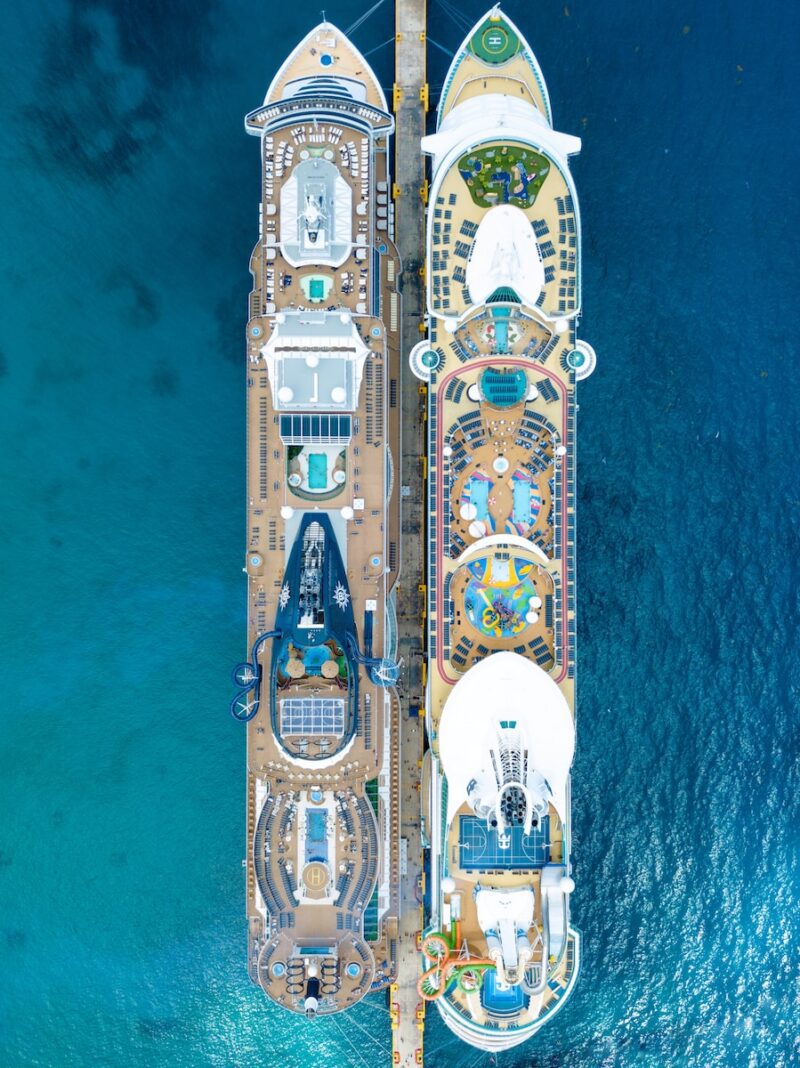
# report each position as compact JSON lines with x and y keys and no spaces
{"x":410,"y":99}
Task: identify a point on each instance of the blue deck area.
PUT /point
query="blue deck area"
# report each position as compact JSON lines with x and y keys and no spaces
{"x":500,"y":1002}
{"x":479,"y":846}
{"x":503,"y":389}
{"x":314,"y":656}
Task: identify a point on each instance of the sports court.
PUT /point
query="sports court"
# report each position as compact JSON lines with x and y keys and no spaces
{"x":479,"y":846}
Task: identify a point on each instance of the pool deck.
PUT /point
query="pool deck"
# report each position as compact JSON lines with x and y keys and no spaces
{"x":544,"y":543}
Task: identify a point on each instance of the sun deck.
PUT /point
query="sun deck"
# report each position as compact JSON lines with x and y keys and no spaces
{"x":476,"y":857}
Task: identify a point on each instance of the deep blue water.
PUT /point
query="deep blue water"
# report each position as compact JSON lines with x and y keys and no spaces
{"x":129,"y":208}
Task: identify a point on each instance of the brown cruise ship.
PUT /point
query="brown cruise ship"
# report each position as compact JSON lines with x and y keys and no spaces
{"x":317,"y":691}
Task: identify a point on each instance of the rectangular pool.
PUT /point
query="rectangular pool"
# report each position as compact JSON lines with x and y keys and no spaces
{"x":479,"y":489}
{"x":317,"y":471}
{"x":317,"y":835}
{"x":522,"y":501}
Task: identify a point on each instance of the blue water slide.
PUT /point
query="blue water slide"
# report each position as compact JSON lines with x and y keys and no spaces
{"x":247,"y":676}
{"x":381,"y":670}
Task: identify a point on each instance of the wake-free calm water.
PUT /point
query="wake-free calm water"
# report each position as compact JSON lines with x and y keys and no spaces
{"x":129,"y":209}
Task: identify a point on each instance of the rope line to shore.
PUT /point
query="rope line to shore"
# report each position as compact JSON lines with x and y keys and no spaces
{"x":461,"y":21}
{"x":448,"y":52}
{"x":375,"y":49}
{"x":363,"y":18}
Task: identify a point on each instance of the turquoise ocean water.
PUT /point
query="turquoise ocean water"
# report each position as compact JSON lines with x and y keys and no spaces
{"x":129,"y":208}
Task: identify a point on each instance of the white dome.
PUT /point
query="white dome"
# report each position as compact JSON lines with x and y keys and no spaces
{"x":505,"y":687}
{"x":505,"y":256}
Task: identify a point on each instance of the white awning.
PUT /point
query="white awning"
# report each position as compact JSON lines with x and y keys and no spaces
{"x":315,"y":361}
{"x":495,"y":116}
{"x":505,"y":254}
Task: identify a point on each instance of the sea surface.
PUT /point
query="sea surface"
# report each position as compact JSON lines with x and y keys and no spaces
{"x":128,"y":212}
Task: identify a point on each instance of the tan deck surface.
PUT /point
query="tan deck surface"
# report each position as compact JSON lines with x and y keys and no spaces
{"x":322,"y":904}
{"x":534,"y":437}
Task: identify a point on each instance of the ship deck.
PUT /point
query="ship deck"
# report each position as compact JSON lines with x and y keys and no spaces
{"x":322,"y":841}
{"x":503,"y":296}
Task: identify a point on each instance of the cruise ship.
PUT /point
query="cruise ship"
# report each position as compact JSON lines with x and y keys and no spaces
{"x":501,"y":359}
{"x":317,"y":689}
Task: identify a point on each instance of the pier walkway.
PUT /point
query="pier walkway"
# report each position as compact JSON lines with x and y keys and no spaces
{"x":410,"y":104}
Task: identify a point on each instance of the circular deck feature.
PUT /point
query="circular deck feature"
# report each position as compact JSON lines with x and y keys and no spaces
{"x":330,"y":669}
{"x":582,"y":360}
{"x":423,"y":361}
{"x":498,"y":595}
{"x":294,"y":668}
{"x":494,"y":41}
{"x":316,"y":877}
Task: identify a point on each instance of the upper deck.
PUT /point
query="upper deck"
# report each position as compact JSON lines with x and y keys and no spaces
{"x":322,"y":429}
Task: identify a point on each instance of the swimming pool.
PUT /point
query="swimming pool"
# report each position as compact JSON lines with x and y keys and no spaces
{"x":317,"y":835}
{"x":501,"y":335}
{"x":521,"y":491}
{"x":317,"y":471}
{"x":479,"y":489}
{"x":314,"y":656}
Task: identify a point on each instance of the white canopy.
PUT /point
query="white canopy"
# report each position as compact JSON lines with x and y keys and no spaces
{"x":503,"y":688}
{"x":316,"y":184}
{"x":505,"y":255}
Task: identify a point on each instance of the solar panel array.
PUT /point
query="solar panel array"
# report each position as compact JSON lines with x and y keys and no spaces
{"x":316,"y":429}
